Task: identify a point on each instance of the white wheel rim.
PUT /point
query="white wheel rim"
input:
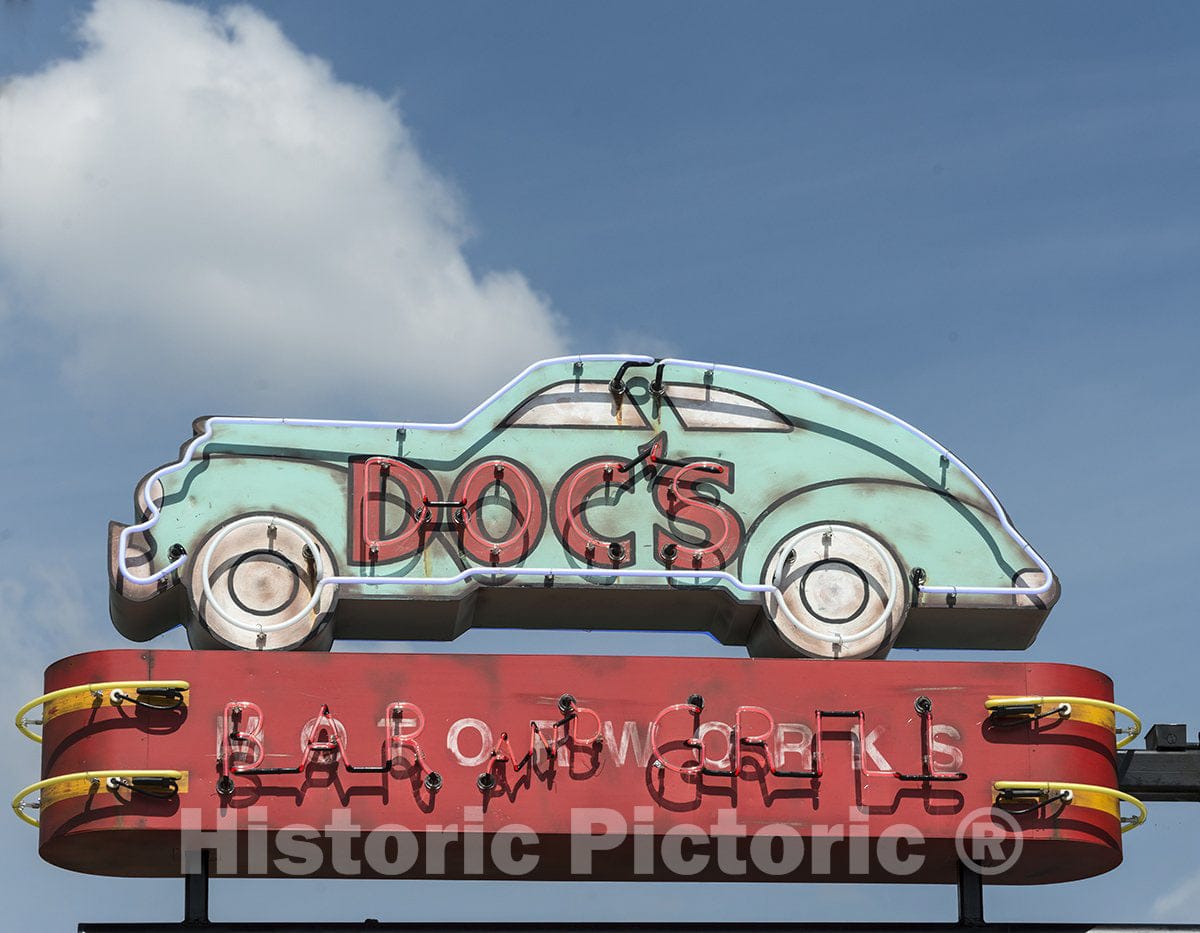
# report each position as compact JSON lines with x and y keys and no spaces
{"x":836,"y":638}
{"x":258,"y":628}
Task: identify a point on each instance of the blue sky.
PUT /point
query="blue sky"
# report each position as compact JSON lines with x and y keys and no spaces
{"x":983,"y":218}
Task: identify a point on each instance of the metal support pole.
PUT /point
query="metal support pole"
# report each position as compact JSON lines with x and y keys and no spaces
{"x":970,"y":896}
{"x":195,"y":889}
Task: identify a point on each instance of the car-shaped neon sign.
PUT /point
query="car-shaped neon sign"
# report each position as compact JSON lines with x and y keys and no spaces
{"x":598,"y":492}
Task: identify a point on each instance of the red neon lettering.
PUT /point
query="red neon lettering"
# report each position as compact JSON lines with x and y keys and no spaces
{"x":678,"y":496}
{"x":529,"y":514}
{"x":241,"y":736}
{"x":503,"y":750}
{"x":322,"y":738}
{"x":742,"y":736}
{"x":573,"y":727}
{"x":738,"y":736}
{"x":369,"y":482}
{"x":693,"y":743}
{"x":398,"y":716}
{"x":570,"y":506}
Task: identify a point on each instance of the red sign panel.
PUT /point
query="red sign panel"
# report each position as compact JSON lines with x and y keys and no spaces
{"x":574,"y":767}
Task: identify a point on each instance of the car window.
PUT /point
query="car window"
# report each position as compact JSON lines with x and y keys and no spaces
{"x":577,"y":404}
{"x":706,"y":408}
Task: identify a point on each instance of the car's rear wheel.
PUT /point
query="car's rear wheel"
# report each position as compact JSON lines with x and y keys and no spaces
{"x":255,"y":583}
{"x":843,"y":592}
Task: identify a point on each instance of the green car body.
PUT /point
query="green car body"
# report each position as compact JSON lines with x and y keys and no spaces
{"x":592,"y":492}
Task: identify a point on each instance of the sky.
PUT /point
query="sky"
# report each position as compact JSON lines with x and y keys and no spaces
{"x":980,"y":217}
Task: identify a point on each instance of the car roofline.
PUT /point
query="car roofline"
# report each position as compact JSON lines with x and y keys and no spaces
{"x":198,"y":441}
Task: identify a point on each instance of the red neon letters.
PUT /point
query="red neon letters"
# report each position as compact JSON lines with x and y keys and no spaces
{"x":369,"y":480}
{"x":395,"y":505}
{"x":528,"y":513}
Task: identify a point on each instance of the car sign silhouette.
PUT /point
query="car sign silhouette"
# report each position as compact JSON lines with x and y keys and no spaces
{"x":596,"y":492}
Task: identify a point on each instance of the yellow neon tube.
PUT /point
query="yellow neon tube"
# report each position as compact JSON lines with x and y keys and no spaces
{"x":92,"y":780}
{"x":97,"y":690}
{"x":1130,"y":734}
{"x":1048,"y":788}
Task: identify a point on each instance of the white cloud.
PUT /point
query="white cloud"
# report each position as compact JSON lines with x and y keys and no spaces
{"x":192,"y":197}
{"x":1181,"y":903}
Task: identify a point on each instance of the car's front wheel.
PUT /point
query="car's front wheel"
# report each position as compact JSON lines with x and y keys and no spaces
{"x":256,"y":583}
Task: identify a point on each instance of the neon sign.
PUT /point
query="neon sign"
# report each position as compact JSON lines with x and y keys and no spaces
{"x":676,"y":741}
{"x":677,"y":490}
{"x":768,"y":511}
{"x":376,"y":744}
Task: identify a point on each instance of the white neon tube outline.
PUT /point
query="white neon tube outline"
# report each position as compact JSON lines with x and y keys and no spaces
{"x":154,"y":512}
{"x":273,"y":521}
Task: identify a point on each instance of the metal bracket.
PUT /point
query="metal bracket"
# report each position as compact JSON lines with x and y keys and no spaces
{"x":1168,"y":768}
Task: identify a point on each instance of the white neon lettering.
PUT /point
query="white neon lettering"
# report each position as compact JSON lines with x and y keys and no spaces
{"x":953,"y":760}
{"x":783,"y":747}
{"x":865,"y":749}
{"x":485,"y":738}
{"x":725,"y":730}
{"x":629,"y":738}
